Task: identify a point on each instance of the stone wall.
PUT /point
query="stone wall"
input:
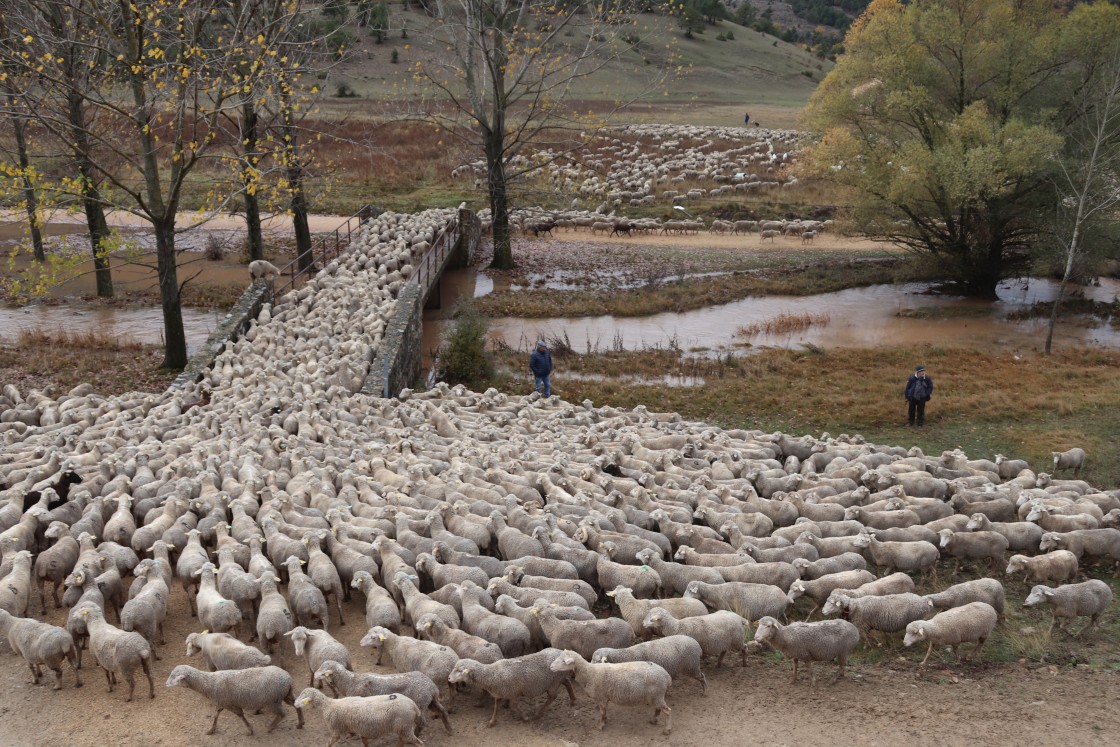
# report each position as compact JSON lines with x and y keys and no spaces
{"x":400,"y":355}
{"x":233,"y":326}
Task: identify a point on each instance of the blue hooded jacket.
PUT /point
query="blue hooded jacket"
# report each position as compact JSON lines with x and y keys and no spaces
{"x":919,"y":388}
{"x":540,"y":362}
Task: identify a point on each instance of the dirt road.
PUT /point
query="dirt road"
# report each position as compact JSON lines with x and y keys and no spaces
{"x":879,"y":704}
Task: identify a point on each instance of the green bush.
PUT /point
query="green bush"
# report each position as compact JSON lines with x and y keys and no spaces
{"x":462,"y":357}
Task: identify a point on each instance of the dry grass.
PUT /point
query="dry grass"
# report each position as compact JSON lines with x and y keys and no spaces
{"x":784,"y":324}
{"x":65,"y":359}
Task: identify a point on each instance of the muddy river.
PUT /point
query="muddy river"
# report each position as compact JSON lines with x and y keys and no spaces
{"x":143,"y":324}
{"x":903,"y":314}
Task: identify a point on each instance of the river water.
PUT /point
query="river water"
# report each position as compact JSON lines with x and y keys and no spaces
{"x":134,"y":324}
{"x":903,"y":314}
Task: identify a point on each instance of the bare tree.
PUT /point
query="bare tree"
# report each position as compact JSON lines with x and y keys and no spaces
{"x":1088,"y":176}
{"x":503,"y":90}
{"x":11,"y":76}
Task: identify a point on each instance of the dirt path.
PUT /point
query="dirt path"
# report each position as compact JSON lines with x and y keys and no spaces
{"x":880,"y":704}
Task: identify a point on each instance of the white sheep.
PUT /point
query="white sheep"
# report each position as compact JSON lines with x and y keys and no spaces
{"x":972,"y":623}
{"x":254,"y":690}
{"x":368,"y":717}
{"x":803,"y":641}
{"x":630,"y":684}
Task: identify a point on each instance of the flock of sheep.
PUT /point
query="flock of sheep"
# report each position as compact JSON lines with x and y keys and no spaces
{"x":514,"y":545}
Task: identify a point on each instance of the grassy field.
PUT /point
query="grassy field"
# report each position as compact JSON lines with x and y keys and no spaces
{"x":1022,"y":406}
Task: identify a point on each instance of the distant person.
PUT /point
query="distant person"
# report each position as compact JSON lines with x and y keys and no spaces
{"x":746,"y":119}
{"x":919,"y":389}
{"x":540,"y":363}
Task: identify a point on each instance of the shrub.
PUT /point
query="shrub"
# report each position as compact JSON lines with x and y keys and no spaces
{"x":343,"y":90}
{"x":394,"y":57}
{"x":462,"y":357}
{"x":214,"y":250}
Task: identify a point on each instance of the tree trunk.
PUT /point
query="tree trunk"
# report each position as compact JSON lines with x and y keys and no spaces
{"x":294,"y":169}
{"x":91,"y":197}
{"x":30,"y":198}
{"x":1054,"y":316}
{"x":175,"y":342}
{"x":499,"y":199}
{"x":255,"y":240}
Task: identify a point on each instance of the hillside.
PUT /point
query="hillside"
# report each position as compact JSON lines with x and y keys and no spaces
{"x":719,"y":79}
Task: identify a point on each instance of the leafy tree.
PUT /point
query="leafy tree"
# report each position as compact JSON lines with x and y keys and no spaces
{"x":940,"y":116}
{"x":1087,"y":178}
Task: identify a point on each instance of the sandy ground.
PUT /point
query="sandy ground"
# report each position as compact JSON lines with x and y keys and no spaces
{"x":880,"y":704}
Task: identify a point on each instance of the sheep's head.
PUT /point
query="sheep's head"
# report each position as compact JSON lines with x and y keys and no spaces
{"x":462,"y":672}
{"x":1016,"y":564}
{"x":565,"y":662}
{"x":915,"y":631}
{"x":178,"y":674}
{"x":796,"y":590}
{"x":692,"y":591}
{"x":375,"y":638}
{"x":1038,"y":595}
{"x":655,"y":618}
{"x":946,"y":536}
{"x":835,"y":603}
{"x":767,"y":628}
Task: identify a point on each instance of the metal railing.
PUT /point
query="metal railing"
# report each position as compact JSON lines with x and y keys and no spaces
{"x":324,"y":249}
{"x":431,"y":265}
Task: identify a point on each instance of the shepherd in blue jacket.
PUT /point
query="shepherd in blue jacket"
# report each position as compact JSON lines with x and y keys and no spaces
{"x":540,"y":363}
{"x":919,"y":389}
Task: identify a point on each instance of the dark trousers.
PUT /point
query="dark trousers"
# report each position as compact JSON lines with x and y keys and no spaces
{"x":918,"y":408}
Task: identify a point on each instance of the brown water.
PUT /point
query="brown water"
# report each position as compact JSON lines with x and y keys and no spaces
{"x":904,"y":314}
{"x":144,"y":324}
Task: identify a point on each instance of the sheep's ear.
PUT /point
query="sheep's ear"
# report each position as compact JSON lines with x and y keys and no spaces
{"x":1048,"y":592}
{"x":381,"y":637}
{"x":205,"y":632}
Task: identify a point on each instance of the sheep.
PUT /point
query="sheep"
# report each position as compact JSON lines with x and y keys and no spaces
{"x":146,"y":612}
{"x":804,"y":641}
{"x":643,"y":581}
{"x":820,"y":588}
{"x":56,"y":562}
{"x":973,"y":623}
{"x":634,"y":610}
{"x":849,"y":561}
{"x":973,"y":546}
{"x":467,"y":646}
{"x":630,"y":684}
{"x":40,"y":645}
{"x":274,"y":618}
{"x":15,"y":592}
{"x":408,"y":655}
{"x":895,"y":583}
{"x":716,"y":633}
{"x":367,"y":718}
{"x":255,"y":689}
{"x":117,"y":652}
{"x":752,"y":601}
{"x":322,"y":572}
{"x":416,"y":604}
{"x":508,"y":680}
{"x":215,"y":612}
{"x":414,"y":685}
{"x":516,"y":575}
{"x":584,"y":636}
{"x":498,"y":586}
{"x":987,"y":590}
{"x":380,"y":607}
{"x":262,"y":269}
{"x":1022,"y":536}
{"x":512,"y":635}
{"x":317,"y":646}
{"x":901,"y":556}
{"x":223,"y":651}
{"x":890,"y":613}
{"x":1087,"y":599}
{"x":1096,"y":543}
{"x":306,"y":599}
{"x":1050,"y":521}
{"x":1057,"y":566}
{"x":777,"y":574}
{"x":1073,"y":459}
{"x":678,"y":655}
